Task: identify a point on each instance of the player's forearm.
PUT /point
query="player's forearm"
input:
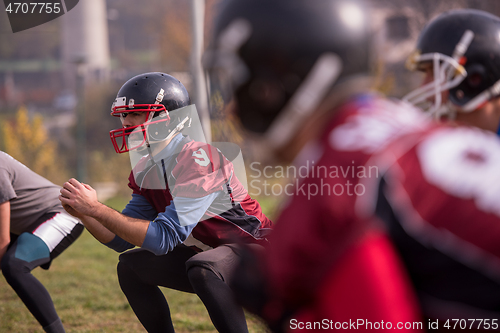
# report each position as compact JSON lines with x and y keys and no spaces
{"x":4,"y":227}
{"x":101,"y":233}
{"x":130,"y":229}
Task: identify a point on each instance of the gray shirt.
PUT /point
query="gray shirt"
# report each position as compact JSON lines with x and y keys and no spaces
{"x":30,"y":195}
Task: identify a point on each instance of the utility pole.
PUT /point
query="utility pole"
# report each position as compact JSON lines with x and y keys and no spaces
{"x":81,"y":128}
{"x":200,"y":88}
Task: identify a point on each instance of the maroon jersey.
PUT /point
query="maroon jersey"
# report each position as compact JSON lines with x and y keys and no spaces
{"x":197,"y":170}
{"x":320,"y":225}
{"x":437,"y":201}
{"x":440,"y":201}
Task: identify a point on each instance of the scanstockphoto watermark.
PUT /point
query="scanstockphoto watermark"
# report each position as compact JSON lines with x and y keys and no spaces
{"x":357,"y":324}
{"x":323,"y":180}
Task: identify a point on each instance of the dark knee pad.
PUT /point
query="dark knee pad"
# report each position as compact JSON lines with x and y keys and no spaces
{"x":122,"y":258}
{"x":219,"y":261}
{"x":134,"y":257}
{"x":127,"y":275}
{"x":199,"y":275}
{"x":124,"y":272}
{"x":125,"y":266}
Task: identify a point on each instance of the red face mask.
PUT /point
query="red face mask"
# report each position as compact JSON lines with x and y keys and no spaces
{"x":133,"y":137}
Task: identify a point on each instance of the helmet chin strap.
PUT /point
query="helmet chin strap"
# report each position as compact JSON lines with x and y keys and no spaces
{"x":150,"y":144}
{"x":175,"y":131}
{"x":178,"y":128}
{"x":449,"y":109}
{"x":482,"y":98}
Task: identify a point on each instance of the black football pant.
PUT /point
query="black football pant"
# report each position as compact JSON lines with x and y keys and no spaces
{"x":25,"y":253}
{"x":141,"y":272}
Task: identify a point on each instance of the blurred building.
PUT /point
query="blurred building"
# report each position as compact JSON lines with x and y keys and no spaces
{"x":116,"y":39}
{"x":85,"y":44}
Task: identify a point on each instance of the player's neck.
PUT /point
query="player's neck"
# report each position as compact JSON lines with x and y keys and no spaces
{"x":487,"y":117}
{"x":158,"y":147}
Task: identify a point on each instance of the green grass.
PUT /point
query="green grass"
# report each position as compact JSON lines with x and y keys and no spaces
{"x":84,"y":287}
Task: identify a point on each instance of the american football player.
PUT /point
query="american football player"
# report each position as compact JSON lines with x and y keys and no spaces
{"x":459,"y":53}
{"x":294,"y":69}
{"x":34,"y":230}
{"x":437,"y":198}
{"x":187,"y":206}
{"x":298,"y":72}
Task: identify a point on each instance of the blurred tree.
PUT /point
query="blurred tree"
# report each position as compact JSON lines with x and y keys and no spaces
{"x":27,"y":141}
{"x":105,"y":167}
{"x":156,"y":37}
{"x":98,"y":101}
{"x":175,"y":42}
{"x":103,"y":163}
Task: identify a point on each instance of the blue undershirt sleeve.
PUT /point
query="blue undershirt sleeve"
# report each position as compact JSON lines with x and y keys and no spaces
{"x":119,"y":244}
{"x":173,"y":226}
{"x":140,"y":208}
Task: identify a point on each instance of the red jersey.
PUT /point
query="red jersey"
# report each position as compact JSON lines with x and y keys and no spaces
{"x":439,"y":199}
{"x":319,"y":225}
{"x":197,"y":170}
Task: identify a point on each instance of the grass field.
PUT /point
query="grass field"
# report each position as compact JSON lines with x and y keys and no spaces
{"x":84,"y":287}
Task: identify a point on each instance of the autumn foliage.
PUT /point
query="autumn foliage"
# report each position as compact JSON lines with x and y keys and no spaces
{"x":27,"y":141}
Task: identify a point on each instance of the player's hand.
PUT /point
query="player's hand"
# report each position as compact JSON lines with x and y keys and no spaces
{"x":70,"y":210}
{"x":81,"y":198}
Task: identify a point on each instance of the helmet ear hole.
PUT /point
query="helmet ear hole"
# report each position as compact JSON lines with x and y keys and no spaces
{"x":473,"y":84}
{"x":476,"y":75}
{"x":159,"y":129}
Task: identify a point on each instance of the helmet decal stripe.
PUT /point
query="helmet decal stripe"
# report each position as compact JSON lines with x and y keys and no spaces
{"x":159,"y":97}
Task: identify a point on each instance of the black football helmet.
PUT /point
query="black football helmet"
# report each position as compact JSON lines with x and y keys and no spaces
{"x":157,"y":94}
{"x":463,"y":48}
{"x":279,"y":58}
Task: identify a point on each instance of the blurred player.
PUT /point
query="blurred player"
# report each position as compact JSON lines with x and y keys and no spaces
{"x":186,"y":206}
{"x":34,"y":229}
{"x":293,"y":68}
{"x":459,"y":52}
{"x":442,"y":212}
{"x":299,"y":71}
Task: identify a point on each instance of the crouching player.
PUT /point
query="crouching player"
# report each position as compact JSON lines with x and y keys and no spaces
{"x":187,"y":208}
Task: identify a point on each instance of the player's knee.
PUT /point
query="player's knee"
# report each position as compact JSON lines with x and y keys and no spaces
{"x":122,"y":258}
{"x":13,"y":268}
{"x":122,"y":269}
{"x":126,"y":275}
{"x":199,"y":275}
{"x":130,"y":257}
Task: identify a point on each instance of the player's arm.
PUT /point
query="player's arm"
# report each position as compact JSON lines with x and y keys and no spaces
{"x":97,"y":230}
{"x":4,"y":227}
{"x":101,"y":233}
{"x":83,"y":199}
{"x":139,"y":208}
{"x":175,"y":224}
